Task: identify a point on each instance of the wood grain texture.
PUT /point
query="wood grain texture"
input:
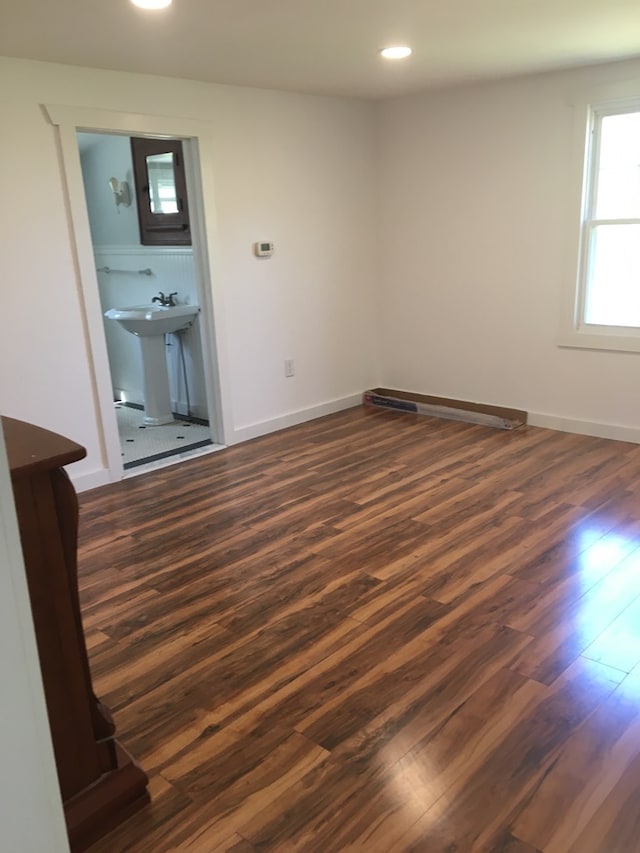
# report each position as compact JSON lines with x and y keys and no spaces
{"x":375,"y":632}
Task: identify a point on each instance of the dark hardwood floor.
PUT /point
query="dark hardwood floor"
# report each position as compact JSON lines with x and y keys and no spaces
{"x":375,"y":632}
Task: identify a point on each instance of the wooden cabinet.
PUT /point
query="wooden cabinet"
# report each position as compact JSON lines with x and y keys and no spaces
{"x":100,"y":783}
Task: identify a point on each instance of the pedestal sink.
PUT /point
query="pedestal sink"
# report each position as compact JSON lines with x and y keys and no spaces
{"x":151,"y":323}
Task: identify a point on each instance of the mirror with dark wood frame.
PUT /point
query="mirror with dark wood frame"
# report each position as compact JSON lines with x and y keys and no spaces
{"x":161,"y":192}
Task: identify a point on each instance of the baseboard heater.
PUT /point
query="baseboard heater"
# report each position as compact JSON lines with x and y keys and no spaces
{"x":442,"y":407}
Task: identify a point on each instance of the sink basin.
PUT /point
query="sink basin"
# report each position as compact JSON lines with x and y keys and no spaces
{"x":151,"y":323}
{"x":148,"y":320}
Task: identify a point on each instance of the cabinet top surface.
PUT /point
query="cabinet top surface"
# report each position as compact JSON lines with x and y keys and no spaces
{"x":31,"y":448}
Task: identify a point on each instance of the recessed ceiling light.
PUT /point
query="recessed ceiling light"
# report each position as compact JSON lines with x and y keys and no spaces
{"x":396,"y":52}
{"x":152,"y":4}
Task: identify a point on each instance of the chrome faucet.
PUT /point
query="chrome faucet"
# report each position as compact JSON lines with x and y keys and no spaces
{"x":165,"y":300}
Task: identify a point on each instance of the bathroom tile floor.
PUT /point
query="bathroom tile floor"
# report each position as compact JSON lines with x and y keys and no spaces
{"x":141,"y":445}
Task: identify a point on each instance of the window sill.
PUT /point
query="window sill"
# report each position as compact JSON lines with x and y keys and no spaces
{"x":626,"y":340}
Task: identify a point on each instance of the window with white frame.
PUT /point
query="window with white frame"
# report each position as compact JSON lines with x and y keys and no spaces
{"x":601,"y":304}
{"x":610,"y":257}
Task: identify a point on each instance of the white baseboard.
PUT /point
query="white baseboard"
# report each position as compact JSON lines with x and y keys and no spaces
{"x":89,"y":480}
{"x":179,"y":407}
{"x":244,"y":433}
{"x":594,"y":428}
{"x":126,"y":395}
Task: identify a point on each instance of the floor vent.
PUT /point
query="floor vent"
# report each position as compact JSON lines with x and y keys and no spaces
{"x":442,"y":407}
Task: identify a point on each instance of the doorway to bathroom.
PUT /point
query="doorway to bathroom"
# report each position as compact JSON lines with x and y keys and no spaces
{"x":197,"y":137}
{"x":131,"y":273}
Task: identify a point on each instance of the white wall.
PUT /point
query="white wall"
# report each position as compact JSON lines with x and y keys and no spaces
{"x":31,"y":813}
{"x":298,"y":170}
{"x":476,"y":211}
{"x":104,"y":156}
{"x":309,"y":186}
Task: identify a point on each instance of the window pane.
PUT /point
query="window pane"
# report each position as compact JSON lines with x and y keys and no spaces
{"x":612,"y":295}
{"x":618,"y":176}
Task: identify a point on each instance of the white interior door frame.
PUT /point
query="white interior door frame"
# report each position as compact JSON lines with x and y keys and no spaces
{"x":198,"y":138}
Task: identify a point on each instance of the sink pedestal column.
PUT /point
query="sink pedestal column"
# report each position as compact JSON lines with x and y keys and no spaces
{"x":150,"y":323}
{"x":157,"y":399}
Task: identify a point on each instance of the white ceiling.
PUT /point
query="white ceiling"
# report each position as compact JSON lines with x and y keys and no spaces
{"x":324,"y":46}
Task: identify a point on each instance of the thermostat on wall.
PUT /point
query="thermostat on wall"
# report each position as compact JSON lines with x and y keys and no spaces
{"x":263,"y":250}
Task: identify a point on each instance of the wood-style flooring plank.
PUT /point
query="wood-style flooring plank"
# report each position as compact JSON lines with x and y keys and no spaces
{"x":374,"y":632}
{"x":590,"y":766}
{"x":483,"y":800}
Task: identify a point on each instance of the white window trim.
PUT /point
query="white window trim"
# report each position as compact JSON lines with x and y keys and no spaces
{"x":574,"y":332}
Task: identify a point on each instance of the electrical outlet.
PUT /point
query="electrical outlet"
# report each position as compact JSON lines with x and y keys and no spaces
{"x":289,"y":367}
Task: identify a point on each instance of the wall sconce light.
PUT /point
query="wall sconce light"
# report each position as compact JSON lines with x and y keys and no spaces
{"x":120,"y":190}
